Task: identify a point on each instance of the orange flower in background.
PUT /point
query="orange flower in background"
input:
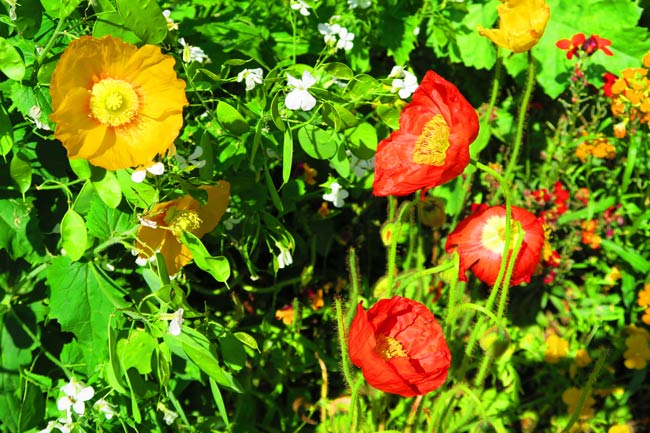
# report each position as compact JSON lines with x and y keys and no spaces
{"x":116,"y":105}
{"x":521,"y":24}
{"x":399,"y":346}
{"x":162,"y":227}
{"x":431,"y":146}
{"x":480,"y":241}
{"x":571,"y":397}
{"x":556,"y":348}
{"x":571,"y":45}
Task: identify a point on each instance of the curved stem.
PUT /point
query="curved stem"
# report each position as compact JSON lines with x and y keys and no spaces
{"x":41,"y":57}
{"x":521,"y":120}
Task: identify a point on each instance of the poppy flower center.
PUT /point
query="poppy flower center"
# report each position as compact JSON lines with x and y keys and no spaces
{"x":433,"y":142}
{"x":179,"y":221}
{"x":493,"y":236}
{"x":114,"y":102}
{"x":388,"y":347}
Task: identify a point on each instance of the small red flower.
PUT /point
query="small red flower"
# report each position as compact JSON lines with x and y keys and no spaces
{"x":572,"y":45}
{"x":609,"y":79}
{"x":480,"y":241}
{"x":399,"y":346}
{"x":431,"y":146}
{"x":595,"y":43}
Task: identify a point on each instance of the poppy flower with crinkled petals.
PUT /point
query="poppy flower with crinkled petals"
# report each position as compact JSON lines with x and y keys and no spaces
{"x":480,"y":242}
{"x":161,"y":228}
{"x":521,"y":24}
{"x":116,"y":105}
{"x":399,"y":346}
{"x":431,"y":146}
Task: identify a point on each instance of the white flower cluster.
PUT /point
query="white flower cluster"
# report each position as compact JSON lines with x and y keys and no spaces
{"x":404,"y":83}
{"x":301,"y":6}
{"x":299,"y":98}
{"x":363,"y":4}
{"x":191,"y":53}
{"x":252,"y":77}
{"x":335,"y":35}
{"x":337,"y":194}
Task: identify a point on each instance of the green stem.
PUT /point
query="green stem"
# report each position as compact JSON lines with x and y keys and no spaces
{"x":521,"y":121}
{"x":392,"y":251}
{"x":414,"y":410}
{"x":345,"y":360}
{"x":39,"y":60}
{"x":353,"y":270}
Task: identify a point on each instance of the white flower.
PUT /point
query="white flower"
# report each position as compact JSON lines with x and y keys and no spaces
{"x":230,"y":222}
{"x":299,"y":97}
{"x":405,"y":86}
{"x":171,"y":24}
{"x":361,"y":167}
{"x":176,"y":323}
{"x":363,"y":4}
{"x":337,"y":196}
{"x":191,"y":53}
{"x":169,"y":416}
{"x":301,"y":6}
{"x":105,"y":408}
{"x":252,"y":77}
{"x":192,"y":161}
{"x":35,"y":113}
{"x":63,"y":428}
{"x":156,"y":169}
{"x":396,"y":72}
{"x":75,"y":396}
{"x":329,"y":32}
{"x":284,"y":258}
{"x":345,"y":39}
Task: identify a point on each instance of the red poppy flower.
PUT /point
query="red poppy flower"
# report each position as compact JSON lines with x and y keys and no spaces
{"x":431,"y":146}
{"x":480,"y":240}
{"x":399,"y":346}
{"x":572,"y":45}
{"x":609,"y":79}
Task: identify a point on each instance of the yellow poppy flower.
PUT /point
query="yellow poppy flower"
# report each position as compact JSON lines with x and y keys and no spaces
{"x":521,"y":24}
{"x":161,"y":228}
{"x":116,"y":105}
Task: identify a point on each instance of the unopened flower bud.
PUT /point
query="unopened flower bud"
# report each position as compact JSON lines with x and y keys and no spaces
{"x":495,"y":341}
{"x":431,"y":212}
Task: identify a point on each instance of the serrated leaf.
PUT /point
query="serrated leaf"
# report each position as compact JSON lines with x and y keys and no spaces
{"x":477,"y":51}
{"x":20,"y":170}
{"x":231,"y":119}
{"x":11,"y":64}
{"x":106,"y":223}
{"x":218,"y":267}
{"x":144,"y":18}
{"x":82,"y":299}
{"x":19,"y":232}
{"x":74,"y":236}
{"x":317,"y":143}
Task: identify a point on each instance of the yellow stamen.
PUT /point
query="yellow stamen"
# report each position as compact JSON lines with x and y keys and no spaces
{"x":388,"y":347}
{"x":114,"y":102}
{"x":432,"y":144}
{"x":493,"y":236}
{"x":179,"y":221}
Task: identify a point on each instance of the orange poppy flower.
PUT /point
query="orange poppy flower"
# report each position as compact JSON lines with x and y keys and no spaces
{"x":162,"y":227}
{"x":521,"y":24}
{"x":431,"y":146}
{"x":480,"y":241}
{"x":116,"y":105}
{"x":399,"y":346}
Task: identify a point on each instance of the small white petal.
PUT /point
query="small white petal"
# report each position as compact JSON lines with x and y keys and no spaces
{"x":157,"y":169}
{"x":138,"y":176}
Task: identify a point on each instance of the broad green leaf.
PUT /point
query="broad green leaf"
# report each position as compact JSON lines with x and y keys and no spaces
{"x":6,"y":132}
{"x":477,"y":51}
{"x":341,"y":163}
{"x":106,"y":223}
{"x":363,"y":86}
{"x":339,"y":70}
{"x":230,"y":119}
{"x":11,"y":64}
{"x":247,"y":339}
{"x":107,"y":186}
{"x":82,"y":299}
{"x":287,"y":156}
{"x":317,"y":143}
{"x":9,"y":401}
{"x":218,"y":267}
{"x":112,"y":367}
{"x":60,"y":8}
{"x":389,"y":114}
{"x":362,"y":140}
{"x":20,"y":170}
{"x":28,"y":17}
{"x":15,"y":342}
{"x":206,"y":361}
{"x":74,"y":236}
{"x":81,"y":168}
{"x":232,"y":352}
{"x":138,"y":194}
{"x":32,"y":407}
{"x":111,"y":23}
{"x":144,"y":18}
{"x":136,"y":351}
{"x":19,"y":231}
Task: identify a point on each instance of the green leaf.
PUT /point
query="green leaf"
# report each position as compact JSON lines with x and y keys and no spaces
{"x":32,"y":407}
{"x":74,"y":236}
{"x":634,"y":259}
{"x":107,"y":186}
{"x":389,"y":114}
{"x":339,"y":70}
{"x":144,"y":18}
{"x":19,"y":232}
{"x":363,"y":86}
{"x":206,"y":361}
{"x":341,"y":163}
{"x":138,"y":194}
{"x":11,"y":64}
{"x":82,"y":299}
{"x":6,"y":132}
{"x":287,"y":156}
{"x":111,"y":23}
{"x":81,"y":168}
{"x":218,"y":267}
{"x":106,"y":223}
{"x":20,"y":170}
{"x":231,"y":119}
{"x":9,"y":401}
{"x":317,"y":143}
{"x":362,"y":140}
{"x":60,"y":8}
{"x":28,"y":17}
{"x":477,"y":51}
{"x":275,"y":112}
{"x":247,"y":339}
{"x":136,"y":351}
{"x":16,"y":343}
{"x":232,"y":352}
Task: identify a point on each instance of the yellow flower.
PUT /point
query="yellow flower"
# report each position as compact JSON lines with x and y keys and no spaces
{"x":582,"y":358}
{"x":116,"y":105}
{"x":571,"y":397}
{"x":619,"y":428}
{"x":162,"y":227}
{"x":644,"y":296}
{"x":637,"y":354}
{"x":556,"y":349}
{"x":285,"y":314}
{"x":521,"y":24}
